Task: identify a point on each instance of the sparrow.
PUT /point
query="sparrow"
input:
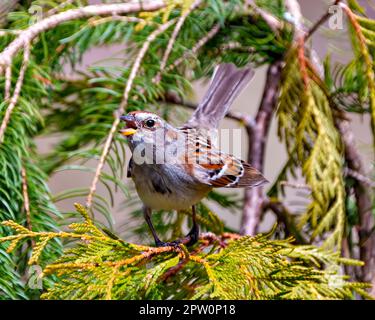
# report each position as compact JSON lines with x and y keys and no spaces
{"x":175,"y":168}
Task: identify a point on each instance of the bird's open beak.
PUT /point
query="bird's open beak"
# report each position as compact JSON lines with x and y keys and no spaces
{"x":131,"y":125}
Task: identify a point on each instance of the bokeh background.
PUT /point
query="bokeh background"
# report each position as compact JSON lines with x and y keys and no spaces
{"x":327,"y":41}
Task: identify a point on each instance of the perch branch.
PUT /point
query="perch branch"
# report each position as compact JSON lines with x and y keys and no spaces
{"x":254,"y":197}
{"x":122,"y":107}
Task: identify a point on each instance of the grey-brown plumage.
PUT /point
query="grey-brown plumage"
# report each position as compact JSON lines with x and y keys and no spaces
{"x":177,"y":184}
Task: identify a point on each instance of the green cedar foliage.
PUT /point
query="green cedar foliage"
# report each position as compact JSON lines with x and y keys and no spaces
{"x":81,"y":109}
{"x":98,"y":266}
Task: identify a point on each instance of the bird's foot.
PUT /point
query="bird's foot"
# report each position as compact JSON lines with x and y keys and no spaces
{"x":174,"y":243}
{"x":190,"y":239}
{"x":193,"y":235}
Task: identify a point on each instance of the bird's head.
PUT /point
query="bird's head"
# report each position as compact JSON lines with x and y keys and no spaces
{"x":143,"y":127}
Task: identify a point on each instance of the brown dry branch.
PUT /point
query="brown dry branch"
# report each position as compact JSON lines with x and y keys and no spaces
{"x":122,"y":106}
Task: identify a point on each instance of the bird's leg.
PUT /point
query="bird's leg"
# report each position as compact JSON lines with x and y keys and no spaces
{"x":158,"y":242}
{"x":147,"y":215}
{"x":194,"y":232}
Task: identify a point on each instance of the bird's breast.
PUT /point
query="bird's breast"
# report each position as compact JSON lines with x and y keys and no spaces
{"x":167,"y":187}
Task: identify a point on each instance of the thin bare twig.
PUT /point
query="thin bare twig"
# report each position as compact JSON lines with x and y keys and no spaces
{"x":317,"y":24}
{"x":17,"y":91}
{"x":359,"y":177}
{"x":295,"y":185}
{"x":27,"y":35}
{"x":122,"y":107}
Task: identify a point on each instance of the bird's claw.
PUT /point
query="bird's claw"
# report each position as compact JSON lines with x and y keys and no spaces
{"x":175,"y":243}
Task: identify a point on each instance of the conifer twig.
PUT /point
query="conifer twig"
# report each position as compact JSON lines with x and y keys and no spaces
{"x":123,"y":105}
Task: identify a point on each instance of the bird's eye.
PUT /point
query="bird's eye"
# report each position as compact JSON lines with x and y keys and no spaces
{"x":150,"y":123}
